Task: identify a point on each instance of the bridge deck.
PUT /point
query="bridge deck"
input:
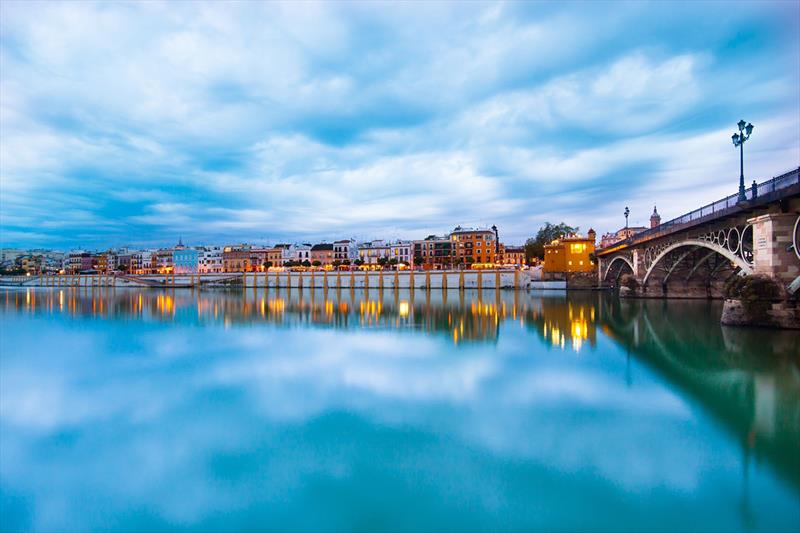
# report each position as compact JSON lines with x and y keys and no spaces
{"x":783,"y":186}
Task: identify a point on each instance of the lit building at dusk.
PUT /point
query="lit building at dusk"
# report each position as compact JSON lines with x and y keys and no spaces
{"x":570,"y":254}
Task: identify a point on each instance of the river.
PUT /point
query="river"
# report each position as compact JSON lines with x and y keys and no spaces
{"x":340,"y":410}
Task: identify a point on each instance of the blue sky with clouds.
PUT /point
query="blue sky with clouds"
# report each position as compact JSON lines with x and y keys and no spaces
{"x":226,"y":122}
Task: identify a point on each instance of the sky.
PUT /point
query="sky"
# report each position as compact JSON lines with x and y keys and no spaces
{"x":139,"y":123}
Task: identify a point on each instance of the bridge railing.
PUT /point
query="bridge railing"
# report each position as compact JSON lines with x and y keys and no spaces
{"x":762,"y":189}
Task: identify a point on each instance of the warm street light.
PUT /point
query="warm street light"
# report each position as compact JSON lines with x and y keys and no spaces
{"x":627,"y":212}
{"x":745,"y":129}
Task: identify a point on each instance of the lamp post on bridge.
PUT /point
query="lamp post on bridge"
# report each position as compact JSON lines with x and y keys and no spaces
{"x":739,"y":140}
{"x":627,"y":212}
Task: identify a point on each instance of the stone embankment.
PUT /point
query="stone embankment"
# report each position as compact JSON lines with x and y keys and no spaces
{"x":439,"y":280}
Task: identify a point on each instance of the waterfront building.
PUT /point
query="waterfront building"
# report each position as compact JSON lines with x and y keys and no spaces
{"x":236,"y":260}
{"x":345,"y":250}
{"x":295,"y":253}
{"x":609,"y":239}
{"x":572,"y":253}
{"x":186,"y":260}
{"x":9,"y":255}
{"x":475,"y":246}
{"x":79,"y":261}
{"x":209,"y":260}
{"x":105,"y":262}
{"x":31,"y":263}
{"x":402,"y":252}
{"x":434,"y":252}
{"x":512,"y":255}
{"x":162,"y":261}
{"x":124,"y":262}
{"x":323,"y":253}
{"x":371,"y":252}
{"x":142,"y":262}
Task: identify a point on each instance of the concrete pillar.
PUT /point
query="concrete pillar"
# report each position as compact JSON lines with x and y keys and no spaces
{"x":380,"y":280}
{"x":461,"y":280}
{"x":444,"y":280}
{"x":497,"y":279}
{"x":516,"y":279}
{"x":428,"y":279}
{"x":772,"y":252}
{"x":480,"y":279}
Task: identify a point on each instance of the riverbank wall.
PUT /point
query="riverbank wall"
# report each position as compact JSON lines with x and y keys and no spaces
{"x":422,"y":280}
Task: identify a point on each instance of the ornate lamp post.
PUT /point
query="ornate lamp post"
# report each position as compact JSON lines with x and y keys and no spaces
{"x":745,"y":129}
{"x":627,"y":212}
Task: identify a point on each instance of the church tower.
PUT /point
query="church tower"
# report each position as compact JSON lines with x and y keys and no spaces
{"x":655,"y":218}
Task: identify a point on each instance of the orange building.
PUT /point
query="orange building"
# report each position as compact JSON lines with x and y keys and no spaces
{"x":474,"y":246}
{"x":570,"y":254}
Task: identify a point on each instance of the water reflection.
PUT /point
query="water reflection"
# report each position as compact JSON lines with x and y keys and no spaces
{"x":463,"y":316}
{"x":527,"y":405}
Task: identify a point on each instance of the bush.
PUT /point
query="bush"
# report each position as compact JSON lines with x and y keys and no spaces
{"x":756,"y":292}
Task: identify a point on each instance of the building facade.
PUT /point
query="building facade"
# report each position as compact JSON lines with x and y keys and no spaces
{"x":474,"y":246}
{"x":210,"y":260}
{"x":186,"y":261}
{"x":322,"y":253}
{"x":513,"y":255}
{"x":434,"y":253}
{"x":371,"y":252}
{"x":572,"y":253}
{"x":345,"y":250}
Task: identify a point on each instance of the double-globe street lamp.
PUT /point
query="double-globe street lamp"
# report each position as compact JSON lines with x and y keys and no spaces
{"x":745,"y":129}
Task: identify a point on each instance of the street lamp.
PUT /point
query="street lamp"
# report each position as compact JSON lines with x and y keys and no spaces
{"x":627,"y":212}
{"x":745,"y":129}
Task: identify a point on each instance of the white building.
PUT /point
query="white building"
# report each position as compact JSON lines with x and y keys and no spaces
{"x":210,"y":260}
{"x":299,"y":252}
{"x":370,"y":252}
{"x":402,"y":251}
{"x":345,"y":250}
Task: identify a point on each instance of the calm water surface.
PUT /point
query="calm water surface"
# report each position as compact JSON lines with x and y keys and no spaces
{"x":135,"y":410}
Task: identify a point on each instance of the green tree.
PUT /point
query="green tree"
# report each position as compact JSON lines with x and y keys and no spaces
{"x":534,"y":246}
{"x":316,"y":263}
{"x":358,"y":262}
{"x":306,"y":263}
{"x":267,"y":265}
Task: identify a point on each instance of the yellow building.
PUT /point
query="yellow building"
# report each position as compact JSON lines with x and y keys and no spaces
{"x":570,"y":254}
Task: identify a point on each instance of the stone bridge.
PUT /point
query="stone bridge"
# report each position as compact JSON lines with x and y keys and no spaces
{"x":695,"y":254}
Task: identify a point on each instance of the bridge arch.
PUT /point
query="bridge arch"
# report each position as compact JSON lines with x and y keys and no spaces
{"x":621,"y":258}
{"x":691,"y":244}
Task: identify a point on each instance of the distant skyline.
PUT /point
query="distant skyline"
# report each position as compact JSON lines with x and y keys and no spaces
{"x":137,"y":123}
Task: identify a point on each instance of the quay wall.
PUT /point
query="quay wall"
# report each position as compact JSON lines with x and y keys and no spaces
{"x":439,"y":280}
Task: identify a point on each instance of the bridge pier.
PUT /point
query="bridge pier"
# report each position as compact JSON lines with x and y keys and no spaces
{"x":773,"y":248}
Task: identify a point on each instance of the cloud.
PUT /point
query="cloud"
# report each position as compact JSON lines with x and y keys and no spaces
{"x":131,"y":123}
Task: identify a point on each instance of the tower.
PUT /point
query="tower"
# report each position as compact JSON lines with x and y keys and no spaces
{"x":655,"y":218}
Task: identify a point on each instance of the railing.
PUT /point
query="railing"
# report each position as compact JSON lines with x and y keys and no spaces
{"x":762,"y":189}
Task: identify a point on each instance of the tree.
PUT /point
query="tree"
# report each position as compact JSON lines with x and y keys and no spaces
{"x":337,"y":263}
{"x":382,"y":261}
{"x":267,"y":265}
{"x":316,"y":263}
{"x":534,"y":246}
{"x":306,"y":263}
{"x":358,"y":262}
{"x":345,"y":262}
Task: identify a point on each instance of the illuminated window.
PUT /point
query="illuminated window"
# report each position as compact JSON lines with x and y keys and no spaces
{"x":569,"y":262}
